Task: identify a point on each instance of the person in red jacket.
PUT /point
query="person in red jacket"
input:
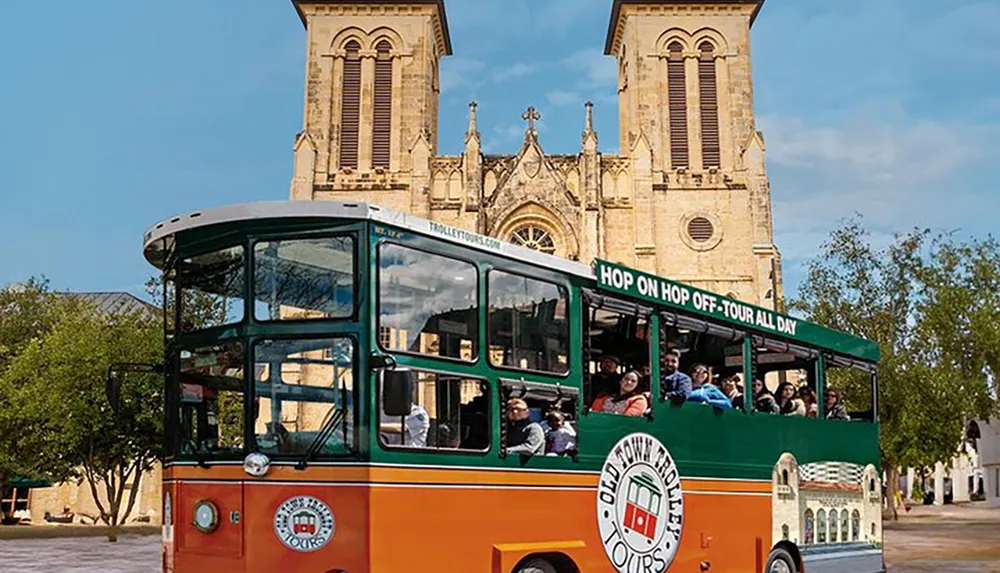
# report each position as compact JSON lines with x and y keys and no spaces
{"x":628,"y":401}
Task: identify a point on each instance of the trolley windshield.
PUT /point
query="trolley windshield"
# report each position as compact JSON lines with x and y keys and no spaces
{"x":251,"y":372}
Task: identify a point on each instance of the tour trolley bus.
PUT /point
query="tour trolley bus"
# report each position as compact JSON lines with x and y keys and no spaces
{"x":350,"y":389}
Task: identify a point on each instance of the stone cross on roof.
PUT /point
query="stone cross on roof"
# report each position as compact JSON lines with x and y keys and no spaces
{"x":531,"y":116}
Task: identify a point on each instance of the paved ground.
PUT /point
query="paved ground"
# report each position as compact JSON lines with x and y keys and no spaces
{"x":132,"y":554}
{"x":953,"y":539}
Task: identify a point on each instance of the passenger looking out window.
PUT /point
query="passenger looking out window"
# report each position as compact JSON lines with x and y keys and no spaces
{"x":607,"y":378}
{"x":788,"y":404}
{"x":763,"y":400}
{"x":560,"y":437}
{"x":703,"y":391}
{"x":626,"y":401}
{"x":835,"y":409}
{"x":675,"y":385}
{"x":524,"y":436}
{"x":731,"y":388}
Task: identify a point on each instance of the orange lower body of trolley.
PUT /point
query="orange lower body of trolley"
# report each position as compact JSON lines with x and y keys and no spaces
{"x":406,"y":520}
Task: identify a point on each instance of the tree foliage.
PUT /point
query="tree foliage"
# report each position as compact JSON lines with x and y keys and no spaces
{"x":58,"y":382}
{"x":933,"y":306}
{"x":27,"y":312}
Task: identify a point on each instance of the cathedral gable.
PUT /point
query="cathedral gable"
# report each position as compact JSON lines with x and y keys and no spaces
{"x":532,"y":177}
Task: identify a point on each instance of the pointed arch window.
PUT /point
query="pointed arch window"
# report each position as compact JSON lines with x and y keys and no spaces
{"x":382,"y":105}
{"x":350,"y":106}
{"x":709,"y":100}
{"x":677,"y":105}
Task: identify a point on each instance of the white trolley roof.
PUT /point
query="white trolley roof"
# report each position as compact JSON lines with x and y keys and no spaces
{"x":159,"y":238}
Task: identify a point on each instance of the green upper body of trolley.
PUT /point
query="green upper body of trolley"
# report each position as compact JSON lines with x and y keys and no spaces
{"x":704,"y":441}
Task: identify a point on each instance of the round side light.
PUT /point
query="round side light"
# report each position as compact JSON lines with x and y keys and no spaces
{"x":206,"y":516}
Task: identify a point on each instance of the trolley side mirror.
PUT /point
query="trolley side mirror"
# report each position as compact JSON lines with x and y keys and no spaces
{"x":397,"y":392}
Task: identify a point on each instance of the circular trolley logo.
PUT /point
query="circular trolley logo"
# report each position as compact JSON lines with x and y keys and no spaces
{"x":640,"y":509}
{"x":304,"y":523}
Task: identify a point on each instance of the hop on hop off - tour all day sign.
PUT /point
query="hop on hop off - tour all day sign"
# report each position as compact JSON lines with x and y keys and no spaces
{"x":663,"y":292}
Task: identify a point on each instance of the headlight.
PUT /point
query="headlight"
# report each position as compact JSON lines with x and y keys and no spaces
{"x":206,"y":516}
{"x":256,"y":464}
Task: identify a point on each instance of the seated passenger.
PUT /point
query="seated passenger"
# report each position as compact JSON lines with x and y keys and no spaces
{"x":730,"y":387}
{"x":523,"y":435}
{"x":763,"y":400}
{"x":808,"y":397}
{"x":704,"y":392}
{"x":560,"y":437}
{"x":835,"y":409}
{"x":607,"y":377}
{"x":417,"y":423}
{"x":788,"y":404}
{"x":676,"y":384}
{"x":627,"y":401}
{"x":448,"y":437}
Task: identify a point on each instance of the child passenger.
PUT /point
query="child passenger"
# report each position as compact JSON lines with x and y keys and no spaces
{"x":560,"y":437}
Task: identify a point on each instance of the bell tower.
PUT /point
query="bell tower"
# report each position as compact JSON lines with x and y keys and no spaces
{"x":686,"y":110}
{"x":371,"y":98}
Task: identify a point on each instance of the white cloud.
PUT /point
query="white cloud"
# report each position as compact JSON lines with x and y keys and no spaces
{"x":503,"y":136}
{"x":596,"y":69}
{"x":460,"y":72}
{"x":561,"y":98}
{"x":899,"y":175}
{"x":518,"y":70}
{"x":874,"y":151}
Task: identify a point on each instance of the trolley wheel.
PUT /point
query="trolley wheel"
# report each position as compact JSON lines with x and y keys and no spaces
{"x":536,"y":565}
{"x":780,"y":561}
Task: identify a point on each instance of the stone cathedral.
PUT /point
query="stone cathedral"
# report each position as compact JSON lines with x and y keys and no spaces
{"x":687,"y":197}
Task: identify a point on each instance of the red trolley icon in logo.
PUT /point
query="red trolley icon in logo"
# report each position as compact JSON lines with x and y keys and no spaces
{"x":642,"y":505}
{"x":304,"y":523}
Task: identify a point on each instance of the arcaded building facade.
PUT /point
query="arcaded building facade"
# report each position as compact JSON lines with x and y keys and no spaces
{"x":686,"y":197}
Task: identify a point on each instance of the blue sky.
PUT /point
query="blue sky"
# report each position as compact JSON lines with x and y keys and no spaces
{"x":115,"y":114}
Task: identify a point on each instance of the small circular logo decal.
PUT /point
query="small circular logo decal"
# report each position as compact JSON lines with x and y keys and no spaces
{"x":640,"y":507}
{"x":304,"y":523}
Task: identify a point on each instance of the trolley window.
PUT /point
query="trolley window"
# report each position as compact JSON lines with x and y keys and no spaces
{"x":428,"y":304}
{"x":304,"y":393}
{"x":304,"y":279}
{"x":528,"y":324}
{"x":211,"y":400}
{"x":212,"y":288}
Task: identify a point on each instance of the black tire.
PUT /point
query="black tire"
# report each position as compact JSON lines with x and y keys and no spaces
{"x":780,"y":561}
{"x":536,"y":565}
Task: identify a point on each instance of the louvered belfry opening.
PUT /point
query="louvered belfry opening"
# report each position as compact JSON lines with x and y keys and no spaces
{"x":382,"y":108}
{"x":350,"y":107}
{"x":677,"y":96}
{"x":709,"y":93}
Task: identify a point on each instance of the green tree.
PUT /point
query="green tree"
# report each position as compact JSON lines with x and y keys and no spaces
{"x":27,"y":311}
{"x":934,"y":354}
{"x":60,"y":381}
